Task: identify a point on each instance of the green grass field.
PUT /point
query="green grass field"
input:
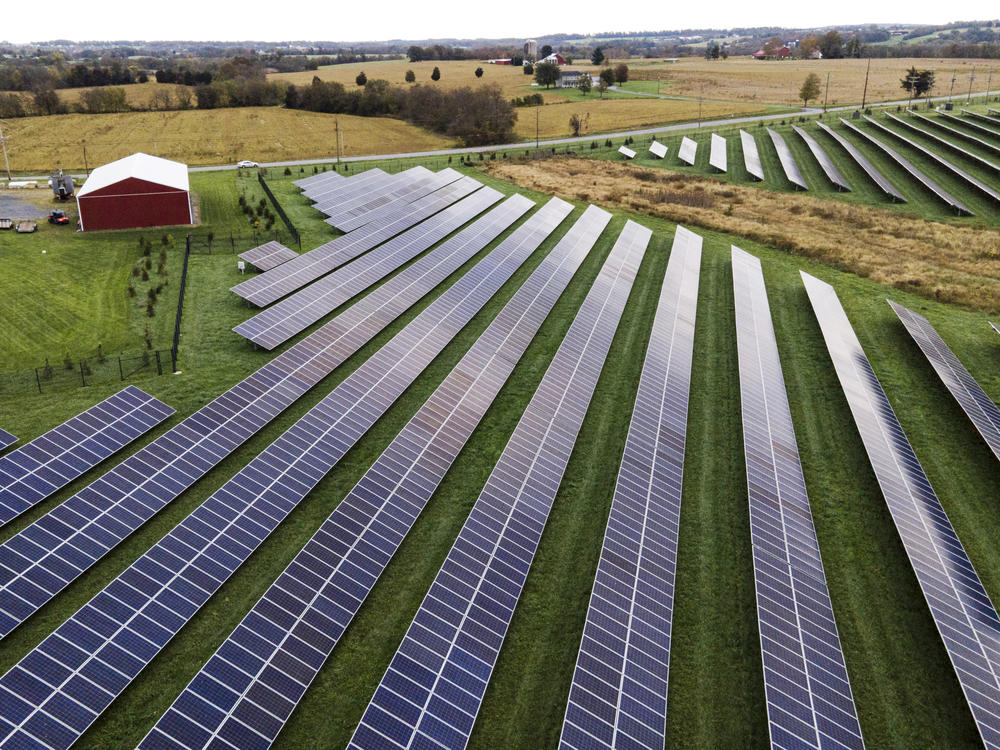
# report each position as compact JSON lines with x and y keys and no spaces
{"x":905,"y":690}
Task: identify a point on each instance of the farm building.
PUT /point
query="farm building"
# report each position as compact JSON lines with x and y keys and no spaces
{"x":137,"y":191}
{"x":779,"y":54}
{"x":555,"y":57}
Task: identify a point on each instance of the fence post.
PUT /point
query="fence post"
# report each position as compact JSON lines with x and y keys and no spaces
{"x":159,"y":367}
{"x":180,"y":305}
{"x":121,"y":370}
{"x":38,"y":381}
{"x":82,"y":380}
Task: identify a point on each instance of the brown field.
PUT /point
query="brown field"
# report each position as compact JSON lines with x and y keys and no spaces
{"x":454,"y":74}
{"x":204,"y":137}
{"x":777,"y":82}
{"x":941,"y":261}
{"x":139,"y":95}
{"x":617,"y":114}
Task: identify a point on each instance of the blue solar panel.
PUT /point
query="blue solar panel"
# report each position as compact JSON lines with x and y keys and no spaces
{"x":83,"y":529}
{"x":278,"y":323}
{"x":268,"y":287}
{"x":267,"y":256}
{"x":343,"y":209}
{"x":618,"y":697}
{"x":976,"y":404}
{"x":330,"y":578}
{"x":809,"y":699}
{"x":6,"y":439}
{"x":127,"y":624}
{"x":49,"y":462}
{"x":965,"y":617}
{"x":433,"y":688}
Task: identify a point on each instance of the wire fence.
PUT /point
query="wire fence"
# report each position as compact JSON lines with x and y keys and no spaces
{"x":233,"y":243}
{"x":78,"y":373}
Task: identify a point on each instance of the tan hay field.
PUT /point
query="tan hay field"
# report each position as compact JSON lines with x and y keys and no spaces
{"x":778,"y":82}
{"x":205,"y":137}
{"x":615,"y":114}
{"x":950,"y":263}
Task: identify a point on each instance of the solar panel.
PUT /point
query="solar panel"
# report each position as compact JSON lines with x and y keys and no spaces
{"x":311,"y":180}
{"x":966,"y":123}
{"x":348,"y":187}
{"x":995,"y":327}
{"x":6,"y":439}
{"x":957,"y":171}
{"x":717,"y":155}
{"x":344,"y":209}
{"x":658,"y":150}
{"x":688,"y":151}
{"x":808,"y":694}
{"x":994,"y":112}
{"x":981,"y":118}
{"x":626,"y":152}
{"x":751,"y":158}
{"x":914,"y":172}
{"x":333,"y":574}
{"x":294,"y":314}
{"x":435,"y":683}
{"x":193,"y":560}
{"x":788,"y":165}
{"x":862,"y":161}
{"x":978,"y":406}
{"x":985,"y":163}
{"x":267,"y":256}
{"x":963,"y":613}
{"x":387,"y":205}
{"x":74,"y":535}
{"x":618,"y":697}
{"x":48,"y":463}
{"x":936,"y":122}
{"x":268,"y":287}
{"x":829,"y":169}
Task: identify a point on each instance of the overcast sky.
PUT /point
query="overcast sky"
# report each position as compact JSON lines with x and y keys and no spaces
{"x":344,"y":20}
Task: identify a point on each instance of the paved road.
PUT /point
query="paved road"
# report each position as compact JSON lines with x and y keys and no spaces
{"x":725,"y":122}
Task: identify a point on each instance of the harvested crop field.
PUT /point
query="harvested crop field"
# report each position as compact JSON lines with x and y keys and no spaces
{"x":205,"y":137}
{"x":941,"y":261}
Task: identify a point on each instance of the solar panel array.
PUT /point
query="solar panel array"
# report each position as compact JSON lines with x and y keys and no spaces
{"x":751,"y":157}
{"x":688,"y":151}
{"x":55,"y":692}
{"x":435,"y":683}
{"x":717,"y":155}
{"x":359,"y":202}
{"x":658,"y":149}
{"x":348,"y":188}
{"x":936,"y":122}
{"x":965,"y":617}
{"x":788,"y":165}
{"x":6,"y":439}
{"x":618,"y":697}
{"x":976,"y":404}
{"x":957,"y":171}
{"x":826,"y":164}
{"x":294,"y":314}
{"x":327,"y":582}
{"x":809,"y":699}
{"x":34,"y":471}
{"x":862,"y":161}
{"x":387,"y":205}
{"x":267,"y":256}
{"x":966,"y":123}
{"x":993,"y":124}
{"x":44,"y":557}
{"x":919,"y":176}
{"x":994,"y":112}
{"x":268,"y":287}
{"x":314,"y":179}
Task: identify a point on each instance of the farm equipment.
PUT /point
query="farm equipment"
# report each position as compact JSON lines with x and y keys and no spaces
{"x":58,"y":216}
{"x":26,"y":227}
{"x":62,"y":185}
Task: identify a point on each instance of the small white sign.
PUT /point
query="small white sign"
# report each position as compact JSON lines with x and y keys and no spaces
{"x":241,"y":266}
{"x":626,"y":152}
{"x":658,"y":149}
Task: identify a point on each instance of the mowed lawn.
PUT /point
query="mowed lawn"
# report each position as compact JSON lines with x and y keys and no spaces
{"x":905,"y":689}
{"x":218,"y":136}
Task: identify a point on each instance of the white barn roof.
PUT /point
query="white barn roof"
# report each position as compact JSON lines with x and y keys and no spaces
{"x":140,"y":166}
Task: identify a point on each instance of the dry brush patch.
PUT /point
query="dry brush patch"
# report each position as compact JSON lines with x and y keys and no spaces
{"x":950,"y":263}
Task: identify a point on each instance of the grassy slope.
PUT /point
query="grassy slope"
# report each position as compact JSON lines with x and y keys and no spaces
{"x":905,"y":689}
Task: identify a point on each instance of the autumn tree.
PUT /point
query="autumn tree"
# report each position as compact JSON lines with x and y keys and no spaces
{"x":772,"y":45}
{"x":621,"y":73}
{"x":546,"y":74}
{"x":436,"y":74}
{"x":918,"y":83}
{"x":410,"y":76}
{"x":574,"y":124}
{"x":810,"y":89}
{"x":585,"y":84}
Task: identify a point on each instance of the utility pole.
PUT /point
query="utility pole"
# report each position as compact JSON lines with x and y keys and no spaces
{"x":536,"y":126}
{"x":827,"y":94}
{"x":972,"y":77}
{"x":3,"y":144}
{"x":912,"y":79}
{"x":336,"y":125}
{"x":701,"y":90}
{"x":864,"y":94}
{"x":989,"y":80}
{"x":85,"y":167}
{"x":951,"y":91}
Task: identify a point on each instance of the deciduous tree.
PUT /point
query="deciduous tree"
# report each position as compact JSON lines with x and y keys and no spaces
{"x":621,"y":73}
{"x":361,"y":79}
{"x":585,"y":84}
{"x":546,"y":74}
{"x":810,"y":89}
{"x":479,"y":72}
{"x":410,"y":76}
{"x":436,"y":74}
{"x":575,"y":123}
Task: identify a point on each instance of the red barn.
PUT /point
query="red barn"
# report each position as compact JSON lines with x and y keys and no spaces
{"x":137,"y":191}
